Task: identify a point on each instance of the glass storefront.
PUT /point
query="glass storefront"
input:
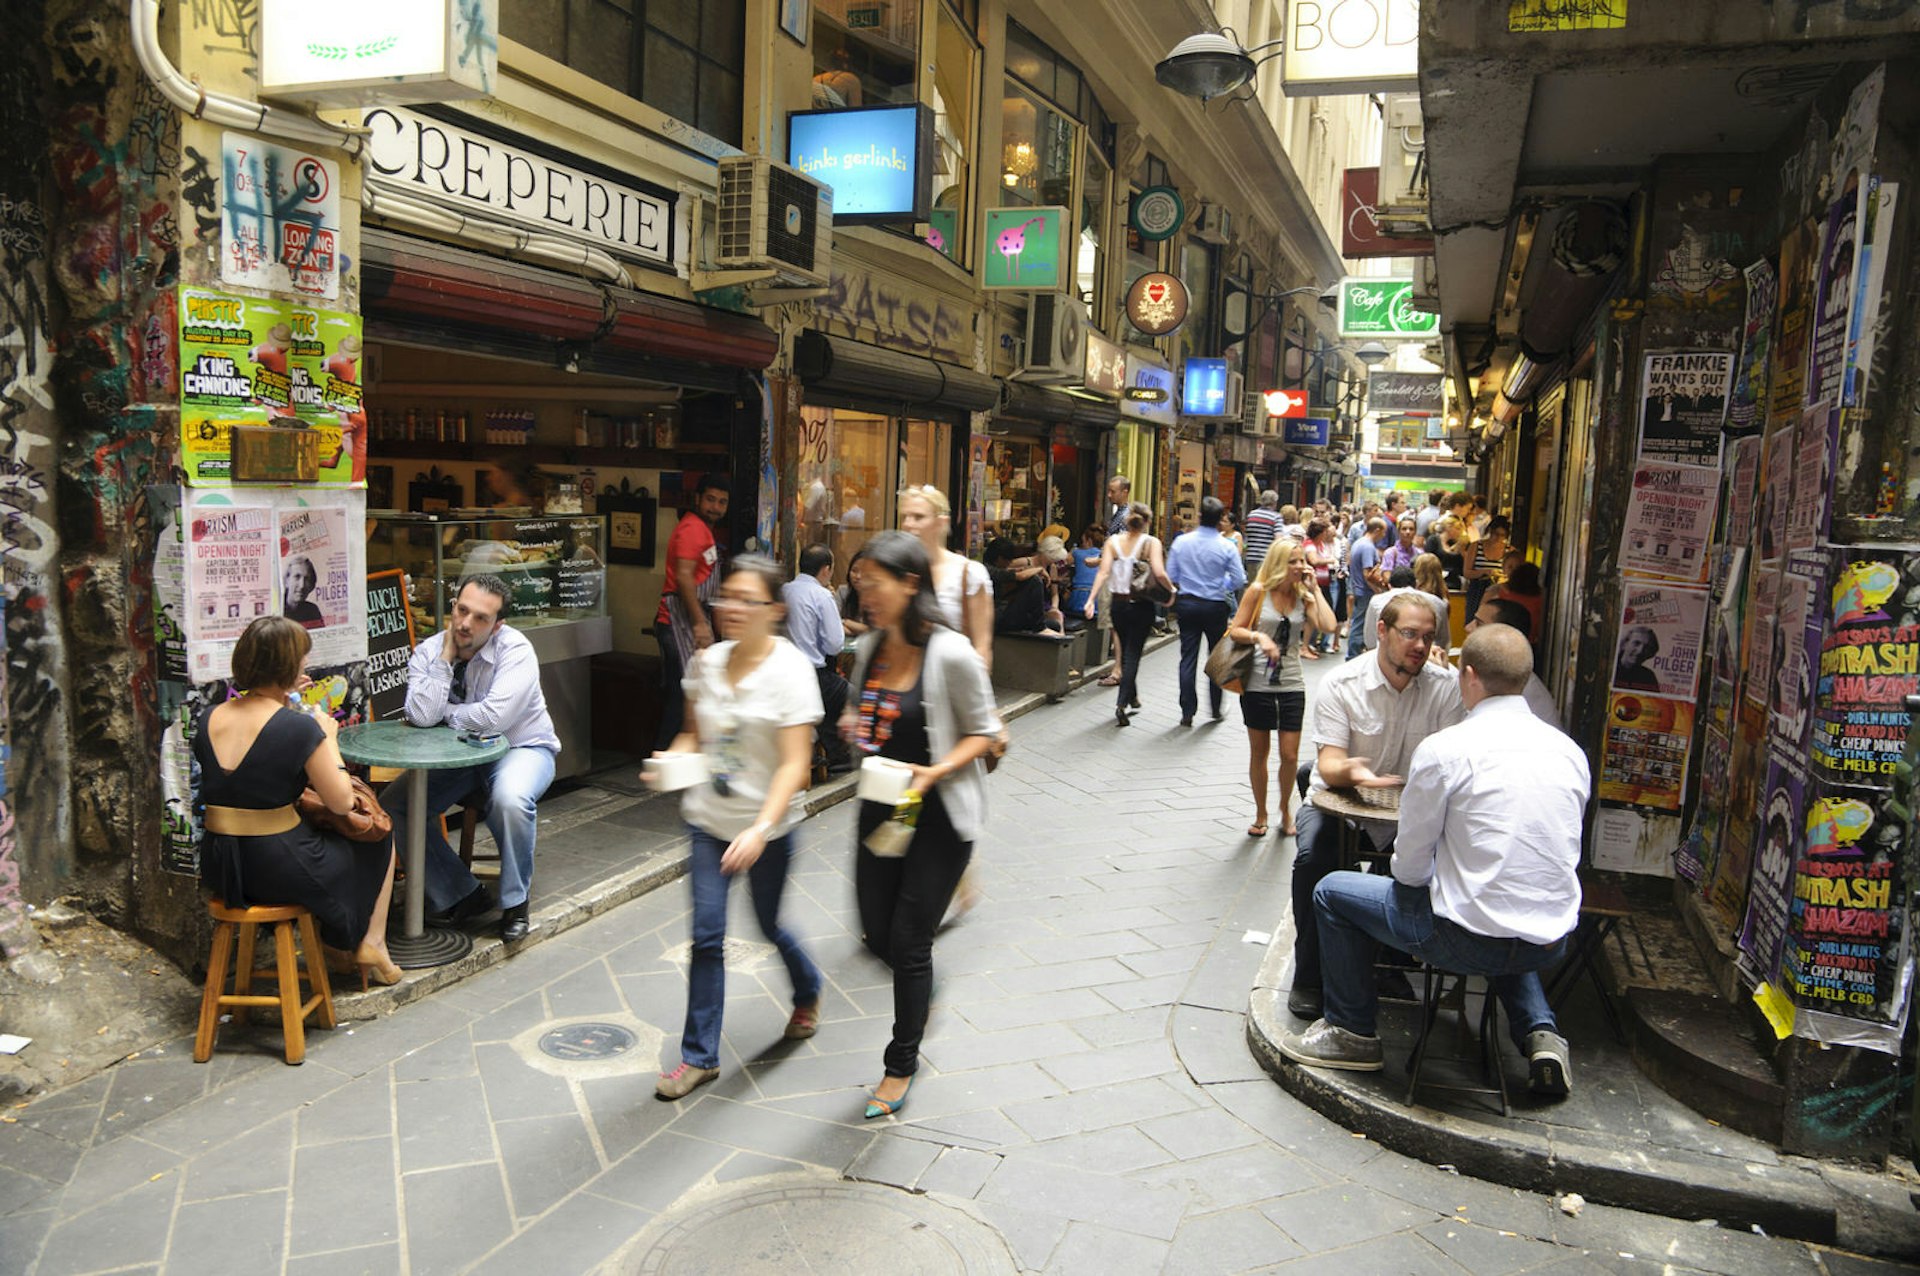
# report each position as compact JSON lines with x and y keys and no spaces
{"x":851,"y":467}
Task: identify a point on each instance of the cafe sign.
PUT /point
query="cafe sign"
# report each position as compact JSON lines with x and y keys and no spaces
{"x":1383,"y":308}
{"x":1106,"y":368}
{"x":1413,"y":393}
{"x":360,"y":53}
{"x":500,"y":175}
{"x":1351,"y":46}
{"x":1157,"y":303}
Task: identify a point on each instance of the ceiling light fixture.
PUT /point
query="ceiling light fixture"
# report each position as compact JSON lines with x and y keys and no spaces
{"x":1211,"y":64}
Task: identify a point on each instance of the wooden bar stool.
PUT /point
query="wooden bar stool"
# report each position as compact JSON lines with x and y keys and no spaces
{"x":234,"y":927}
{"x":473,"y":810}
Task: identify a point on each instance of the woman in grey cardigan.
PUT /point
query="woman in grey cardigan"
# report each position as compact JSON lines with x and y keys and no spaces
{"x":919,"y":695}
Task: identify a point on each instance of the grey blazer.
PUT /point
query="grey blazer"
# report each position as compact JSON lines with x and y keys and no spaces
{"x":959,"y":703}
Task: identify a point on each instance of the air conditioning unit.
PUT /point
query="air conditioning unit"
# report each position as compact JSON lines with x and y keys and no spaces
{"x":1056,"y":339}
{"x":1253,"y":414}
{"x":1213,"y":224}
{"x":774,"y":218}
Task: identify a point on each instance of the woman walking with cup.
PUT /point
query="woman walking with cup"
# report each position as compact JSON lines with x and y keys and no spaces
{"x":919,"y":700}
{"x":1282,"y":598}
{"x":742,"y":762}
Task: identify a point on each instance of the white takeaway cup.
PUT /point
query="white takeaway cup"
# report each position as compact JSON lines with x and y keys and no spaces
{"x":671,"y":772}
{"x":884,"y":780}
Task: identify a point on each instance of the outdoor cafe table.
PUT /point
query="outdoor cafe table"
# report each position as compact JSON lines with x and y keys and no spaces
{"x":418,"y":750}
{"x":1345,"y":806}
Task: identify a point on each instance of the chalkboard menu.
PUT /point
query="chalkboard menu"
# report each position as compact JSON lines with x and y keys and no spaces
{"x":390,"y":641}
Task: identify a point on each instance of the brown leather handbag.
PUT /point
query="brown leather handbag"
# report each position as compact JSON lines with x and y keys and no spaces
{"x":368,"y":821}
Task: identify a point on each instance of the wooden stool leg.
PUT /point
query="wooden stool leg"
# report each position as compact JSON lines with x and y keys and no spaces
{"x":243,"y":970}
{"x":469,"y":821}
{"x":316,"y":971}
{"x":210,"y":997}
{"x":292,"y":1022}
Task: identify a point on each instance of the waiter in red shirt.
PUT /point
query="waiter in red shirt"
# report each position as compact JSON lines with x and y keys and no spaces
{"x":682,"y":624}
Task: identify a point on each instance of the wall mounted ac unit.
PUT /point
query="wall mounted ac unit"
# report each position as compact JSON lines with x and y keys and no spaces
{"x":774,"y":217}
{"x":1253,"y":414}
{"x":1056,"y":339}
{"x":1213,"y":224}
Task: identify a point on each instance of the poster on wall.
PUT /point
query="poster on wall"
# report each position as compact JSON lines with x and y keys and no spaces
{"x":1746,"y":404}
{"x":1743,"y":480}
{"x":1787,"y":380}
{"x":1846,"y":938}
{"x":1776,"y":493}
{"x":1660,"y":630}
{"x":1869,"y":665}
{"x":1796,"y":646}
{"x":279,"y":218}
{"x":1838,"y":266}
{"x":1683,"y":406}
{"x":1726,"y":891}
{"x":1669,"y":524}
{"x":1883,"y":199}
{"x":316,"y":580}
{"x":326,"y":386}
{"x":1781,"y":820}
{"x":1644,"y":757}
{"x":1811,"y":502}
{"x":229,"y":579}
{"x":1701,"y":850}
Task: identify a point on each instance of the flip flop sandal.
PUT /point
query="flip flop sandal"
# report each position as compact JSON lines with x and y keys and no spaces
{"x":1256,"y":830}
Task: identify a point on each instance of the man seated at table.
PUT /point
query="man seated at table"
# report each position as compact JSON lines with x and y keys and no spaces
{"x":1504,"y":611}
{"x":1484,"y":872}
{"x":480,"y":676}
{"x":1369,"y":716}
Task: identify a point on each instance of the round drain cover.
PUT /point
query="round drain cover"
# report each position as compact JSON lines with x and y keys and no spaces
{"x":587,"y":1041}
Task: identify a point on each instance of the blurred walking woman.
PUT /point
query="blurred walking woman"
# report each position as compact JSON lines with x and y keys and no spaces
{"x":1132,"y":618}
{"x":256,"y":754}
{"x":920,"y":697}
{"x":755,"y":701}
{"x":1282,"y":598}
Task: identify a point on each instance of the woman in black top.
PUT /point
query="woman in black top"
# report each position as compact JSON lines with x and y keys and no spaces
{"x":255,"y":757}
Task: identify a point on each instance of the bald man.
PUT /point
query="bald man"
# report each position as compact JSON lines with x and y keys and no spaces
{"x":1483,"y":876}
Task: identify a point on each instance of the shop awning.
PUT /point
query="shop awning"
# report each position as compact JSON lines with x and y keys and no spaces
{"x":417,"y":291}
{"x":1044,"y":403}
{"x":855,"y":370}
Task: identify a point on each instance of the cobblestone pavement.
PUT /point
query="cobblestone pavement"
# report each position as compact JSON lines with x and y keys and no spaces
{"x":1087,"y":1092}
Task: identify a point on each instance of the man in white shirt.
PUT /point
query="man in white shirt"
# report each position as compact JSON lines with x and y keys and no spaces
{"x":1369,"y":716}
{"x":1484,"y":872}
{"x":815,"y":629}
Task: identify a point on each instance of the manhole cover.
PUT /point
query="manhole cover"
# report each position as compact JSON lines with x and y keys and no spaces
{"x":587,"y":1041}
{"x":759,"y":1225}
{"x":736,"y":954}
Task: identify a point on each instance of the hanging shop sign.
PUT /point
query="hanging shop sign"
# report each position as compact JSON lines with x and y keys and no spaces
{"x":1157,"y":303}
{"x":1382,"y":308}
{"x":1026,"y":249}
{"x":1158,"y":212}
{"x":1411,"y":393}
{"x":1203,"y":389}
{"x":498,"y":174}
{"x":1147,"y":371}
{"x":1312,"y":431}
{"x":1354,"y":46}
{"x":1106,"y":367}
{"x":877,"y":159}
{"x":369,"y":52}
{"x":279,"y":218}
{"x":1360,"y":234}
{"x":1683,"y":405}
{"x":1285,"y":403}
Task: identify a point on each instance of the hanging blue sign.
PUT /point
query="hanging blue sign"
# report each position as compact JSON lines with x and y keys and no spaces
{"x":1312,"y":431}
{"x":1149,"y":376}
{"x":1204,"y":389}
{"x":876,"y":158}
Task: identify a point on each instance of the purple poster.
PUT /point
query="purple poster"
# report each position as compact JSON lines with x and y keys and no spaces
{"x":1782,"y":806}
{"x":1833,"y":296}
{"x":1846,"y":941}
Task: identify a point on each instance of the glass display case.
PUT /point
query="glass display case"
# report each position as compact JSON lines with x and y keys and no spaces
{"x":555,"y":569}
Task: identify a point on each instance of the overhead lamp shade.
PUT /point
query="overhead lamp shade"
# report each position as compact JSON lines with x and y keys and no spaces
{"x":1373,"y":353}
{"x":1205,"y":66}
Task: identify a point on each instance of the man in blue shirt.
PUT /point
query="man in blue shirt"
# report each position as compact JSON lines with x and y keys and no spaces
{"x":813,"y":626}
{"x":1207,"y":574}
{"x":1363,"y":581}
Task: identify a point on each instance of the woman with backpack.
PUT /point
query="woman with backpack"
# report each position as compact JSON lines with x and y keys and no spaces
{"x":1136,"y":566}
{"x":1281,"y":600}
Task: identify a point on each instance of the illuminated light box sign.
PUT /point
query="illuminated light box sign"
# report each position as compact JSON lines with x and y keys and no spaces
{"x":1204,"y":389}
{"x":876,"y":158}
{"x":1026,"y":249}
{"x":1355,"y":46}
{"x":1106,"y":367}
{"x":359,"y":53}
{"x":1383,"y":308}
{"x":1312,"y":431}
{"x":1146,"y":371}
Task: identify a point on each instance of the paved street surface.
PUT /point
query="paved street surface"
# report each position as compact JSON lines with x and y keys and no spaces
{"x":1087,"y":1101}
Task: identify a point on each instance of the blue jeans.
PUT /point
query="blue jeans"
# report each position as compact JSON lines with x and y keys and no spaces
{"x":1357,"y":623}
{"x":512,"y":787}
{"x":1336,"y":592}
{"x":706,"y":968}
{"x":1357,"y":912}
{"x":1199,"y":616}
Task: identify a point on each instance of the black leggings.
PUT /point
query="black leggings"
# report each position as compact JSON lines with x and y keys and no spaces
{"x":1133,"y":621}
{"x":901,"y":903}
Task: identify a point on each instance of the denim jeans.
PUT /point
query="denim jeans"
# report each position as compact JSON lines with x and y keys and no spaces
{"x":1199,"y":616}
{"x":1133,"y":621}
{"x":512,"y":787}
{"x":706,"y":967}
{"x":1357,"y":623}
{"x":1317,"y":853}
{"x":1357,"y":912}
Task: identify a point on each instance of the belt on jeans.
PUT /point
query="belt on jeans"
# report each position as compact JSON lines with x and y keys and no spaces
{"x":242,"y":821}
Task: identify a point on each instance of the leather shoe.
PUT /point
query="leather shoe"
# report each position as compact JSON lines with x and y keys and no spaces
{"x":1305,"y":1003}
{"x":477,"y":903}
{"x":513,"y":923}
{"x":1187,"y":721}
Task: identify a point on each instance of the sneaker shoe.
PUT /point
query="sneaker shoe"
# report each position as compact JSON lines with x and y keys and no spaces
{"x":1324,"y":1046}
{"x":1549,"y":1067}
{"x":682,"y":1081}
{"x":803,"y":1023}
{"x":1305,"y":1003}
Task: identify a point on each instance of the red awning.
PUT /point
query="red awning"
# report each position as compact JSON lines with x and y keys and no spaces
{"x":414,"y":280}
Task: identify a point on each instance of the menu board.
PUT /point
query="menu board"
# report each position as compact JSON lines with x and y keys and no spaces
{"x":390,"y":643}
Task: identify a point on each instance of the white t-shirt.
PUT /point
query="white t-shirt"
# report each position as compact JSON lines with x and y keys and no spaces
{"x":961,"y":585}
{"x":740,"y":734}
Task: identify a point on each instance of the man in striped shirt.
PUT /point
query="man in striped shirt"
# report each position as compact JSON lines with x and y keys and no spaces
{"x":1262,"y":526}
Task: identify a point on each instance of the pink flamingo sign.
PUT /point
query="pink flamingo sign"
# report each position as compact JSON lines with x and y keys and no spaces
{"x":1026,"y":249}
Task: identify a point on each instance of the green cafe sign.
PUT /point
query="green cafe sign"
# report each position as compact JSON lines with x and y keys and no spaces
{"x":1382,"y":308}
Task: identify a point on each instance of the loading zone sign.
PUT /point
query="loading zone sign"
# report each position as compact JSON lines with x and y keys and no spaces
{"x":279,"y":218}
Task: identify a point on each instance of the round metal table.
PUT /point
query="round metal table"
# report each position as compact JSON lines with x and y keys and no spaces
{"x":418,"y":750}
{"x":1345,"y":806}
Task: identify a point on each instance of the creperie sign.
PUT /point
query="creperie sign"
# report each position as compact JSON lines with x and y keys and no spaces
{"x":506,"y":179}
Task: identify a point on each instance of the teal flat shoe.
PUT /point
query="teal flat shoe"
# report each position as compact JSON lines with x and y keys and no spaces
{"x":879,"y":1107}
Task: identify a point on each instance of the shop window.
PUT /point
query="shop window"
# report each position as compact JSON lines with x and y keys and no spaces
{"x":865,"y":52}
{"x":683,"y":57}
{"x":843,"y":481}
{"x":955,"y":81}
{"x":1015,"y":504}
{"x":1036,"y":151}
{"x":1089,"y":254}
{"x":1196,"y":272}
